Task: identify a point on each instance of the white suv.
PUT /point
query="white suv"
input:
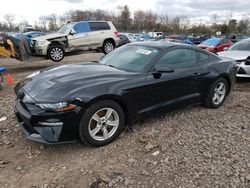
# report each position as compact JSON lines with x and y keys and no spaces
{"x":84,"y":35}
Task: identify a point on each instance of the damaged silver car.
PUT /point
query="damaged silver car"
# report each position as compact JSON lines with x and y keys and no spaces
{"x":83,"y":35}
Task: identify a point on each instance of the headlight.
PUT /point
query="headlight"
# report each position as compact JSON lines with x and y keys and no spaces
{"x":41,"y":42}
{"x":58,"y":107}
{"x":33,"y":74}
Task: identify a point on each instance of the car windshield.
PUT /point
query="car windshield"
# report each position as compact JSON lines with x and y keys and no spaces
{"x":242,"y":45}
{"x":130,"y":58}
{"x":211,"y":42}
{"x":66,"y":28}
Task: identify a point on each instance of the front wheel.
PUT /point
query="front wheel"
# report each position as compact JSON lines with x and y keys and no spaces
{"x":217,"y":94}
{"x":102,"y":123}
{"x":56,"y":53}
{"x":108,"y":46}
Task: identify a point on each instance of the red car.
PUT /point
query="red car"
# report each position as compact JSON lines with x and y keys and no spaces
{"x":215,"y":44}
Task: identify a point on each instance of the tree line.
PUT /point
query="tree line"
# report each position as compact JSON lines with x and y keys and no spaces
{"x":137,"y":22}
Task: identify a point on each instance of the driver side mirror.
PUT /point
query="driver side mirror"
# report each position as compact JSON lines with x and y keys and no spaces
{"x":73,"y":32}
{"x":158,"y":71}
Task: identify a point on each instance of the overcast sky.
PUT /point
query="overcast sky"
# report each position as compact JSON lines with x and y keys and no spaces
{"x":195,"y":9}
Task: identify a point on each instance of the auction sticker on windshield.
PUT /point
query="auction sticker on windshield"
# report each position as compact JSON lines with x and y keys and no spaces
{"x":145,"y":52}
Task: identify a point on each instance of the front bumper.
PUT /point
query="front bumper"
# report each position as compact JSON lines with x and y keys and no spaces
{"x":30,"y":123}
{"x":243,"y":69}
{"x":39,"y":50}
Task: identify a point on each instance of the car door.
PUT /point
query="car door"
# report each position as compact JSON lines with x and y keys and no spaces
{"x":99,"y":32}
{"x":80,"y":35}
{"x":173,"y":79}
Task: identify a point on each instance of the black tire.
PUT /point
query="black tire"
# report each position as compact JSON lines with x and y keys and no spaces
{"x":15,"y":43}
{"x":108,"y":46}
{"x":208,"y":101}
{"x":56,"y":53}
{"x":84,"y":127}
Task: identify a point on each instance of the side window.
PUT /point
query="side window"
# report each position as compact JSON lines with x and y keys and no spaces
{"x":97,"y":26}
{"x":178,"y":58}
{"x":81,"y":27}
{"x":202,"y":57}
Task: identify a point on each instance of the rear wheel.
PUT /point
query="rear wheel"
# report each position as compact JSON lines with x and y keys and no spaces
{"x":56,"y":53}
{"x":102,"y":123}
{"x":108,"y":46}
{"x":217,"y":94}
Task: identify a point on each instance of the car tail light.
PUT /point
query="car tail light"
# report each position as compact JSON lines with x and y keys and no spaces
{"x":116,"y":33}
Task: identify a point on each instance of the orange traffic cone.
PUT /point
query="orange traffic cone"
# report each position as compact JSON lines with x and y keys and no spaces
{"x":10,"y":80}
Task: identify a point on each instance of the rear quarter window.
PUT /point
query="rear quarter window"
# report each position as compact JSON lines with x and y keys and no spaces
{"x":202,"y":57}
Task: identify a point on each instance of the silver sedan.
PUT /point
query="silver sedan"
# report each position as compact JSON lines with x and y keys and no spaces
{"x":240,"y":52}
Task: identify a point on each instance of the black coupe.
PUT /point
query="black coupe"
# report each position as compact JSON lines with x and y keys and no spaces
{"x":94,"y":101}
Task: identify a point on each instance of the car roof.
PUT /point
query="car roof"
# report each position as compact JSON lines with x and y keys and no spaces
{"x":89,"y":21}
{"x":166,"y":45}
{"x":161,"y":45}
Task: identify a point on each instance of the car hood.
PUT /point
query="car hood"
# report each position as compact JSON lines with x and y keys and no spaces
{"x":235,"y":54}
{"x":69,"y":82}
{"x":50,"y":36}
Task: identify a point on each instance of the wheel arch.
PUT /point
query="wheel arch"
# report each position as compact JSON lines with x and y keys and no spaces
{"x":118,"y":100}
{"x":227,"y":78}
{"x":109,"y":39}
{"x":57,"y":43}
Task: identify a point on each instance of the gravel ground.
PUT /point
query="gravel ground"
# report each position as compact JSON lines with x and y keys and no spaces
{"x":190,"y":147}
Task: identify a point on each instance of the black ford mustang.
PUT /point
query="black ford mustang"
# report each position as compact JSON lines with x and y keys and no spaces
{"x":94,"y":101}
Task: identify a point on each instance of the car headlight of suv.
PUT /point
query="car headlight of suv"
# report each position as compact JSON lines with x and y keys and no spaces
{"x":57,"y":107}
{"x":41,"y":42}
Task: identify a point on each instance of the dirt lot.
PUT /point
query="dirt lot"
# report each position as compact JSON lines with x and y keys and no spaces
{"x":191,"y":147}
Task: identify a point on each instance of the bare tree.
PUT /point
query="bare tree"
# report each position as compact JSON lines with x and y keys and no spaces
{"x":9,"y":18}
{"x":184,"y":23}
{"x":43,"y":21}
{"x":150,"y":21}
{"x":52,"y":21}
{"x":139,"y":18}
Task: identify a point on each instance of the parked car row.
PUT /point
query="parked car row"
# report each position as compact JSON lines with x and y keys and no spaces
{"x":103,"y":35}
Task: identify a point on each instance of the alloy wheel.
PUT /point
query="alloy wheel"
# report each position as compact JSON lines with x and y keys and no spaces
{"x":103,"y":124}
{"x":56,"y":53}
{"x":219,"y":93}
{"x":108,"y":47}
